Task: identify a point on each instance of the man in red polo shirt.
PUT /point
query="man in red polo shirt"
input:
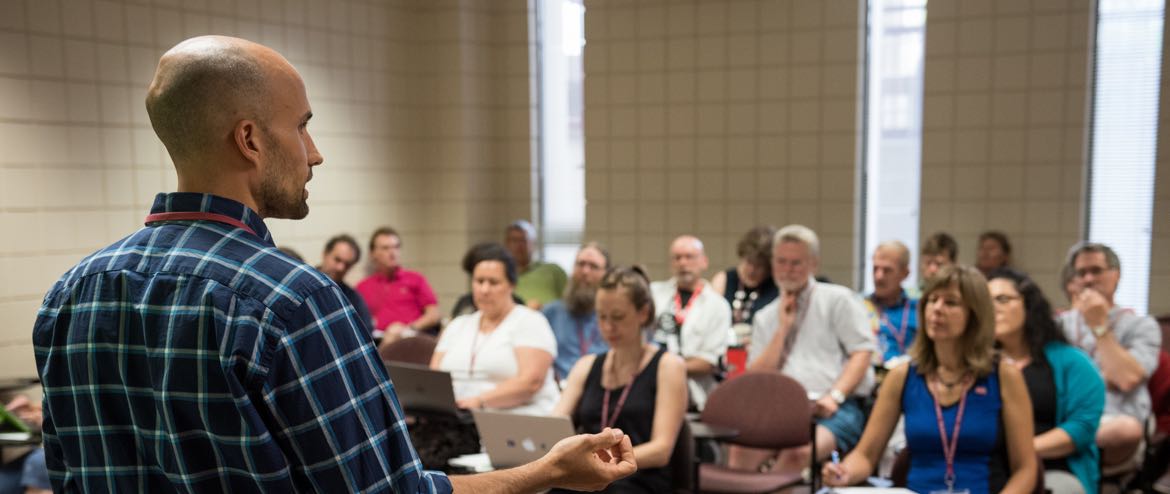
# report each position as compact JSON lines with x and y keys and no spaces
{"x":400,"y":300}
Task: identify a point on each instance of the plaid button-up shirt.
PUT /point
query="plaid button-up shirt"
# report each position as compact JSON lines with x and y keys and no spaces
{"x":192,"y":356}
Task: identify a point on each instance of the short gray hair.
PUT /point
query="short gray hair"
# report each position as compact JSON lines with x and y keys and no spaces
{"x":801,"y":234}
{"x":1111,"y":258}
{"x":524,"y":226}
{"x":898,"y":248}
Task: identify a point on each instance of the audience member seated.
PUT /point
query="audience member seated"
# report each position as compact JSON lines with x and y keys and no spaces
{"x":24,"y":468}
{"x":466,"y":303}
{"x":968,"y":418}
{"x":573,"y":318}
{"x":540,"y":282}
{"x":692,"y":320}
{"x":500,"y":357}
{"x":636,"y":386}
{"x":1124,"y":345}
{"x":938,"y":251}
{"x":342,"y":253}
{"x":748,"y":286}
{"x":816,"y":333}
{"x":893,"y":313}
{"x":994,"y":252}
{"x":401,"y":300}
{"x":1071,"y":286}
{"x":1066,"y":390}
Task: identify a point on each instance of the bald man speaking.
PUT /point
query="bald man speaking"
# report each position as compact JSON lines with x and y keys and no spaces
{"x":692,"y":319}
{"x":193,"y":356}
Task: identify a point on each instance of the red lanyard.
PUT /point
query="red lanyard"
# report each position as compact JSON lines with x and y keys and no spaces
{"x":608,"y":422}
{"x":680,"y":312}
{"x":950,"y":447}
{"x":474,"y":352}
{"x":584,"y":343}
{"x":197,"y":216}
{"x":900,"y":333}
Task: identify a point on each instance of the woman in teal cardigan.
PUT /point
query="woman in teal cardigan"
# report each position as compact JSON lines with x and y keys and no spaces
{"x":1067,"y":392}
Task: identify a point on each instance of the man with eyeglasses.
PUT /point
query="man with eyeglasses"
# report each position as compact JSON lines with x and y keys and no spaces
{"x":1124,"y":345}
{"x":573,"y":318}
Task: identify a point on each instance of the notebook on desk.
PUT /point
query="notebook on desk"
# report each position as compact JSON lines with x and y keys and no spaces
{"x":513,"y":439}
{"x":422,"y":389}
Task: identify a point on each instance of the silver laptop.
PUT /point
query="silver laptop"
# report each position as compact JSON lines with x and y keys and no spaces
{"x":422,"y":389}
{"x":513,"y":439}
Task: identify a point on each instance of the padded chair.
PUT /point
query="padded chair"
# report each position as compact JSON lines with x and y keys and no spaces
{"x":901,"y":471}
{"x":413,"y":350}
{"x":770,"y":411}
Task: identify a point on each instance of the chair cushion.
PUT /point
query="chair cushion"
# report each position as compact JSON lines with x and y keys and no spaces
{"x":716,"y":478}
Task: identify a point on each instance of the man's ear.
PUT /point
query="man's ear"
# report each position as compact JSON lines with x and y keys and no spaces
{"x":249,"y":142}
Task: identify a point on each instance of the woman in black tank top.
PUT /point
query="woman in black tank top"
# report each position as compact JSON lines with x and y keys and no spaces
{"x":635,"y":386}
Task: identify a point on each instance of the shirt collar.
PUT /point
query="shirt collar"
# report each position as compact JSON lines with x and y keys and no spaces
{"x":187,"y":202}
{"x":898,"y":302}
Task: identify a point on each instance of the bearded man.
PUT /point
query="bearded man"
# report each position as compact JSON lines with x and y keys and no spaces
{"x":573,"y":318}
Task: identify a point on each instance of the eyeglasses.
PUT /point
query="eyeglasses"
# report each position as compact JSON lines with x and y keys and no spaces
{"x":1005,"y":299}
{"x":1091,"y":270}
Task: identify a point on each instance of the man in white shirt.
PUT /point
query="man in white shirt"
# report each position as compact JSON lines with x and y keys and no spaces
{"x":692,"y":320}
{"x":819,"y":335}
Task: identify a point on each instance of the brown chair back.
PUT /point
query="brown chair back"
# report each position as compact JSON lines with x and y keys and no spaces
{"x":768,"y":409}
{"x":413,"y":350}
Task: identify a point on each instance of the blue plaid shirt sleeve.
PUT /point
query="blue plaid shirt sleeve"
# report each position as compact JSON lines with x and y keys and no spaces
{"x":333,"y":407}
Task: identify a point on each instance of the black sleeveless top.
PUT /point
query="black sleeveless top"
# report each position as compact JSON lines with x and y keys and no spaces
{"x":750,"y":300}
{"x":636,"y":420}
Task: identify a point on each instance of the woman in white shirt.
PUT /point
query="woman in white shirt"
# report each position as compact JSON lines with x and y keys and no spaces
{"x":500,"y":357}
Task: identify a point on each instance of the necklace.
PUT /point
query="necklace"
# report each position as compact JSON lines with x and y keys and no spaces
{"x":942,"y":382}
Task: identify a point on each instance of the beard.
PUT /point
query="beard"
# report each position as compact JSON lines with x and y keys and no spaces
{"x":580,"y":298}
{"x":280,"y":195}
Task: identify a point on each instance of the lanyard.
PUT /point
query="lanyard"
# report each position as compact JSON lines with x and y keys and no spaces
{"x":680,"y":312}
{"x":950,"y":447}
{"x":582,"y":341}
{"x":474,"y":351}
{"x":900,"y":333}
{"x":197,"y":216}
{"x":608,"y":420}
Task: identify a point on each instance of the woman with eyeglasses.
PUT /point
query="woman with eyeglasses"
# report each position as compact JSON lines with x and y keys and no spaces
{"x":1067,"y":392}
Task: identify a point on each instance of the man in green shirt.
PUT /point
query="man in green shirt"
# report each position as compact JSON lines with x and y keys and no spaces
{"x":539,"y":282}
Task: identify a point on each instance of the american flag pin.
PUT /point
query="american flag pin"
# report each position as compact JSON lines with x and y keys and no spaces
{"x":981,"y":390}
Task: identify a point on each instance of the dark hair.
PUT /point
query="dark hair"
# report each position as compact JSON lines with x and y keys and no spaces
{"x":384,"y":230}
{"x":939,"y":243}
{"x":756,"y":247}
{"x":999,"y":238}
{"x":344,"y":237}
{"x":977,"y":343}
{"x":637,"y":285}
{"x":490,"y":251}
{"x":1040,"y":328}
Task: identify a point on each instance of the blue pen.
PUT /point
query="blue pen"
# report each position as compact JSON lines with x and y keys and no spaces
{"x":837,"y":462}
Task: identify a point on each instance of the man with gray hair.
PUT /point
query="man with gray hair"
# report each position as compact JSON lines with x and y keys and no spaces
{"x":818,"y":334}
{"x":693,"y":320}
{"x":1124,"y":345}
{"x":539,"y":282}
{"x":892,"y":312}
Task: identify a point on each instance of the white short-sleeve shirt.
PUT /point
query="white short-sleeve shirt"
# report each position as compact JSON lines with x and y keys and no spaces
{"x":495,"y":356}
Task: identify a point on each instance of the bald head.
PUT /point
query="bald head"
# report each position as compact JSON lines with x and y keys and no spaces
{"x":687,"y":261}
{"x":203,"y":86}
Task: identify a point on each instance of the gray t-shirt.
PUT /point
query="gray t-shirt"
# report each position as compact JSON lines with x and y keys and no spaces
{"x":1141,"y":337}
{"x":834,"y":327}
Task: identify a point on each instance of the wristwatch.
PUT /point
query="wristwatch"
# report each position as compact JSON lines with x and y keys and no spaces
{"x":837,"y":396}
{"x":1100,"y":331}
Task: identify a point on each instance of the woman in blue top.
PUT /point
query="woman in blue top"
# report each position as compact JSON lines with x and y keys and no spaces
{"x":1064,"y":415}
{"x":968,"y":418}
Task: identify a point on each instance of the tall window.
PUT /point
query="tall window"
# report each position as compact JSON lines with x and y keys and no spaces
{"x":893,"y":160}
{"x":1127,"y":79}
{"x":561,"y":145}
